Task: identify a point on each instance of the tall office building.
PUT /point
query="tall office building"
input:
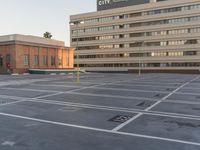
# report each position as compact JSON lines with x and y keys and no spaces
{"x":151,"y":35}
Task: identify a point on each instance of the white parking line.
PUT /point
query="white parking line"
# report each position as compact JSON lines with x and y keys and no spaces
{"x":54,"y":94}
{"x":70,"y":82}
{"x":113,"y":96}
{"x":87,"y":87}
{"x":81,"y":88}
{"x":32,"y":90}
{"x":192,"y":88}
{"x":187,"y":93}
{"x":129,"y":90}
{"x":56,"y":85}
{"x":152,"y":106}
{"x":109,"y":108}
{"x":182,"y":102}
{"x":157,"y":83}
{"x":141,"y":85}
{"x":25,"y":81}
{"x":9,"y":103}
{"x":109,"y":88}
{"x":73,"y":90}
{"x":100,"y":130}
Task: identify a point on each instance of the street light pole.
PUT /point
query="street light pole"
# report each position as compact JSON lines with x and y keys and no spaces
{"x":139,"y":70}
{"x":76,"y":23}
{"x":139,"y":60}
{"x":77,"y":55}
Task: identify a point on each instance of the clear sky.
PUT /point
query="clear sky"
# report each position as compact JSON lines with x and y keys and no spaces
{"x":34,"y":17}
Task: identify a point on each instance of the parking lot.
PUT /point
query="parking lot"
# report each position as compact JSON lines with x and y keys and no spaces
{"x":101,"y":112}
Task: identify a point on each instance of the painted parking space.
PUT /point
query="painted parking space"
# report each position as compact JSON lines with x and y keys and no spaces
{"x":142,"y":94}
{"x":4,"y":101}
{"x":22,"y":93}
{"x":102,"y":101}
{"x":139,"y":87}
{"x":42,"y":87}
{"x":190,"y":90}
{"x":48,"y":136}
{"x":185,"y":97}
{"x":167,"y":127}
{"x":179,"y":108}
{"x":102,"y":111}
{"x":66,"y":114}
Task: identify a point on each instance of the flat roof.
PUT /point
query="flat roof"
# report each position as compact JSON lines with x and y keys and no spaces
{"x":135,"y":8}
{"x":30,"y":39}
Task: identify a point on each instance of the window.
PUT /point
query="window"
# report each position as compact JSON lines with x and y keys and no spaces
{"x":1,"y":61}
{"x":60,"y":61}
{"x":67,"y":60}
{"x":105,"y":28}
{"x":36,"y":60}
{"x":44,"y":60}
{"x":8,"y":58}
{"x":190,"y":53}
{"x":26,"y":60}
{"x":53,"y":60}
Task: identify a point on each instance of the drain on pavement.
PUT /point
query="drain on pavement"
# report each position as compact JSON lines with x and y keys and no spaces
{"x":3,"y":102}
{"x":157,"y":95}
{"x":198,"y":97}
{"x":169,"y":89}
{"x":144,"y":104}
{"x":120,"y":118}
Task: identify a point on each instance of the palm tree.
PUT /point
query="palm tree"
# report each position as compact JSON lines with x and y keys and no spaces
{"x":47,"y":35}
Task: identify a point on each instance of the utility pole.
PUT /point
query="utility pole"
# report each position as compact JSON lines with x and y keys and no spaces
{"x":76,"y":23}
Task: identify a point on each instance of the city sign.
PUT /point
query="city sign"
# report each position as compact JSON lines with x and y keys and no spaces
{"x":110,"y":4}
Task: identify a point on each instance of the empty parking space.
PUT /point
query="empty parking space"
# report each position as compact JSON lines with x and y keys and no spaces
{"x":141,"y":94}
{"x":65,"y":114}
{"x":4,"y":101}
{"x":22,"y":93}
{"x":190,"y":90}
{"x":179,"y":108}
{"x":102,"y":111}
{"x":15,"y":134}
{"x":134,"y":86}
{"x":168,"y":127}
{"x":50,"y":88}
{"x":103,"y":101}
{"x":185,"y":97}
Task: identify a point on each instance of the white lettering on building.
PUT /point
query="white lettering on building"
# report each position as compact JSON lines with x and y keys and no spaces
{"x":104,"y":2}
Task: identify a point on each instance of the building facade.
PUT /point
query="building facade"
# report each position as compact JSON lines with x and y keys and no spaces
{"x":151,"y":35}
{"x":19,"y":53}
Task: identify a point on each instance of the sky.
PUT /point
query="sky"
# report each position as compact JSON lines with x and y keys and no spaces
{"x":34,"y":17}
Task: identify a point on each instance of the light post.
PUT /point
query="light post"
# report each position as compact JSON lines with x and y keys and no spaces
{"x":76,"y":23}
{"x":139,"y":70}
{"x":139,"y":60}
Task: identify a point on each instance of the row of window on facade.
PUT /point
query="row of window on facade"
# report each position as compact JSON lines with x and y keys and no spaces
{"x":44,"y":60}
{"x":181,"y":64}
{"x":140,"y":24}
{"x":145,"y":13}
{"x":147,"y":54}
{"x":142,"y":44}
{"x":140,"y":34}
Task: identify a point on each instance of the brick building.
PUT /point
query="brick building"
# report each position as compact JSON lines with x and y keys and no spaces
{"x":18,"y":53}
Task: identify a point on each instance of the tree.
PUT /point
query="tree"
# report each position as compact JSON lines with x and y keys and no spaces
{"x":47,"y":35}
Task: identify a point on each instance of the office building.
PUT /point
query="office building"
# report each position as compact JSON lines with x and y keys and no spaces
{"x":129,"y":35}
